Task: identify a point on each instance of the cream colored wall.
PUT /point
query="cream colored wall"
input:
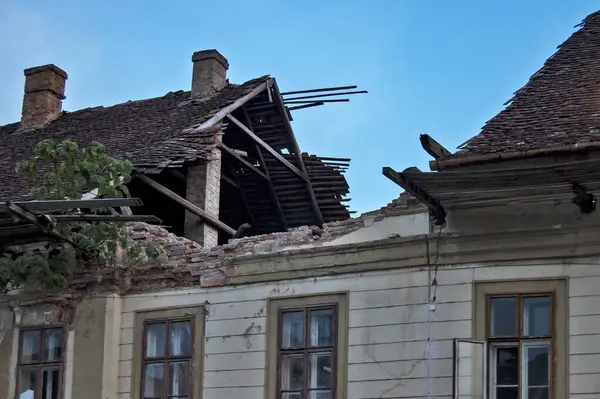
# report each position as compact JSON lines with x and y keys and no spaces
{"x":409,"y":224}
{"x":388,"y":328}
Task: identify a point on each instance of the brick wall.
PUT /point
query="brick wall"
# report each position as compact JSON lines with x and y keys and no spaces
{"x":203,"y":190}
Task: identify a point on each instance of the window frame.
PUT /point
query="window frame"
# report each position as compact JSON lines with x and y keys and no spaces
{"x":277,"y":306}
{"x":195,"y":315}
{"x":41,"y":365}
{"x":556,"y":289}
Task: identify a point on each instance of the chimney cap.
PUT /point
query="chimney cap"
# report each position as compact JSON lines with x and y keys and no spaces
{"x":206,"y":54}
{"x":44,"y":68}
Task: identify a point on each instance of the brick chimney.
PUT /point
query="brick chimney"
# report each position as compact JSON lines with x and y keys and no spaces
{"x":44,"y":92}
{"x":210,"y":72}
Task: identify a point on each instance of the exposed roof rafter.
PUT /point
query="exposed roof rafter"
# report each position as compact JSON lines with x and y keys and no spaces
{"x":434,"y":206}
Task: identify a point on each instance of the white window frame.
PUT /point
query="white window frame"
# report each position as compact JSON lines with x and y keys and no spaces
{"x":456,"y":394}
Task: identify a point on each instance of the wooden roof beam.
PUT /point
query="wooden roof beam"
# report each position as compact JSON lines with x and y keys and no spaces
{"x":44,"y":223}
{"x":272,"y":192}
{"x":433,"y":148}
{"x":434,"y":206}
{"x":288,"y":127}
{"x":238,"y":184}
{"x":232,"y":107}
{"x":105,"y":218}
{"x":243,"y":161}
{"x":187,"y":205}
{"x":267,"y":147}
{"x":230,"y":181}
{"x":72,"y":204}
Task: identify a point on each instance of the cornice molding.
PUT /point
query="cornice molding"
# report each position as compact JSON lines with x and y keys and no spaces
{"x":556,"y":244}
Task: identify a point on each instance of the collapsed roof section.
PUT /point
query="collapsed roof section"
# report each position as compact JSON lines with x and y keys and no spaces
{"x":265,"y":180}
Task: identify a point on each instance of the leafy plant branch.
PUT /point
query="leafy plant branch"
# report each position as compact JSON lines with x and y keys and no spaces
{"x":64,"y":170}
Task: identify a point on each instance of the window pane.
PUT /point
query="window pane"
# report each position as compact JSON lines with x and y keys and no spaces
{"x":50,"y":383}
{"x":292,"y":330}
{"x":30,"y":346}
{"x":536,"y":316}
{"x":538,"y":393}
{"x":507,"y":365}
{"x":536,"y":359}
{"x":507,"y":393}
{"x":321,"y":324}
{"x":155,"y":339}
{"x":291,"y":395}
{"x":154,"y":380}
{"x":320,"y":370}
{"x":27,"y":380}
{"x":179,"y":379}
{"x":321,"y":394}
{"x":53,"y":345}
{"x":292,"y":372}
{"x":180,"y":338}
{"x":503,"y":318}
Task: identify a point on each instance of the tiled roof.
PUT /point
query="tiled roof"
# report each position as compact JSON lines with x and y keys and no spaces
{"x":559,"y":106}
{"x":150,"y":133}
{"x":405,"y":202}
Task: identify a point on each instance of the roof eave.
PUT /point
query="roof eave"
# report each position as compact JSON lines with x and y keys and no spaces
{"x":453,"y":163}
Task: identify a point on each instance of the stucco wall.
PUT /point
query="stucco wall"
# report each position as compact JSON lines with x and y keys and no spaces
{"x":410,"y":224}
{"x":388,"y":320}
{"x":83,"y":354}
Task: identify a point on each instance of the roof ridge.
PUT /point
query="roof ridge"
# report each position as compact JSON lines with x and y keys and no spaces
{"x":163,"y":96}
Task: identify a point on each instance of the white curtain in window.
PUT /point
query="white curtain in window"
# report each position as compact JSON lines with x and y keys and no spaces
{"x":52,"y":343}
{"x":175,"y":375}
{"x":180,"y":339}
{"x":29,"y":346}
{"x":151,"y":342}
{"x":314,"y":372}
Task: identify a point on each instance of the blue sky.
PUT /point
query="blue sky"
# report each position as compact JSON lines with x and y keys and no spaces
{"x":436,"y":67}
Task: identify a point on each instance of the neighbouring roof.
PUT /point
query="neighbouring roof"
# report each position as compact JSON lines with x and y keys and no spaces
{"x":150,"y":133}
{"x":559,"y":105}
{"x":405,"y":202}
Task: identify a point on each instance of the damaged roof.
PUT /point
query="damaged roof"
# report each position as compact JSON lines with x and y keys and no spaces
{"x":180,"y":130}
{"x":559,"y":105}
{"x":151,"y":133}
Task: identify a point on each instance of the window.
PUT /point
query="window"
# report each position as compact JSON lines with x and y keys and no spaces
{"x":40,"y":363}
{"x":520,"y":341}
{"x":521,"y":352}
{"x":167,"y":348}
{"x":307,"y":348}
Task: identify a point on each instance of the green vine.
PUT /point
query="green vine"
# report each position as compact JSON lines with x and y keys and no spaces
{"x":61,"y":171}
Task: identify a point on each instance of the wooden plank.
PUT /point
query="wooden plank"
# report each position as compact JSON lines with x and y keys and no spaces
{"x":296,"y":149}
{"x":106,"y":218}
{"x":315,"y":104}
{"x":327,"y":95}
{"x":238,"y":183}
{"x":231,"y":107}
{"x":230,"y":181}
{"x":19,"y":230}
{"x":243,"y":161}
{"x":267,"y":147}
{"x":177,"y":174}
{"x":433,"y":148}
{"x":42,"y":222}
{"x":338,"y":100}
{"x":272,"y":192}
{"x":71,"y":204}
{"x":241,"y":232}
{"x":187,"y":205}
{"x":287,"y":93}
{"x":435,"y":207}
